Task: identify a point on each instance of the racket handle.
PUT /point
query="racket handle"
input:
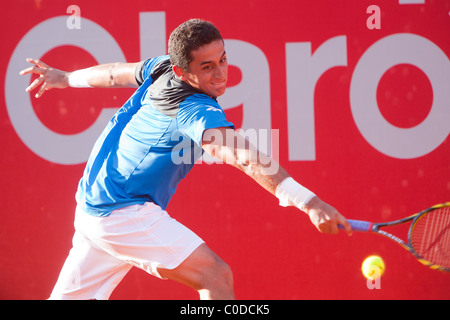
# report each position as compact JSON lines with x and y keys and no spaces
{"x":359,"y":225}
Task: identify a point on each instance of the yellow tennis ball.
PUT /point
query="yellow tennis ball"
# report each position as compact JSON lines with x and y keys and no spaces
{"x":373,"y":267}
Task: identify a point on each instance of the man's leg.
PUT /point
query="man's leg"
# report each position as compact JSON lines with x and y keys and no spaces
{"x":146,"y":237}
{"x":205,"y":272}
{"x":88,"y":273}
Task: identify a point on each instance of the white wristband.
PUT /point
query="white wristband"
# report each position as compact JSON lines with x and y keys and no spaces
{"x":78,"y":79}
{"x":292,"y":193}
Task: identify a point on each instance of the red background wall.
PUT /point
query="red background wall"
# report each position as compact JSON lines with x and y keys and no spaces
{"x":275,"y":252}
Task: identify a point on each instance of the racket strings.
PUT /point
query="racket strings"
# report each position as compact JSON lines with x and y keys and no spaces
{"x":430,"y":236}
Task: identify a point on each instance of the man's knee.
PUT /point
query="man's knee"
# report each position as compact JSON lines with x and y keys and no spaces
{"x":216,"y":275}
{"x":203,"y":269}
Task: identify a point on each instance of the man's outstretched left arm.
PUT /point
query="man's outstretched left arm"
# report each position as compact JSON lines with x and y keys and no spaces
{"x":111,"y":75}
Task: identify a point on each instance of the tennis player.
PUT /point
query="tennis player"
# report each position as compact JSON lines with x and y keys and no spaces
{"x":134,"y":169}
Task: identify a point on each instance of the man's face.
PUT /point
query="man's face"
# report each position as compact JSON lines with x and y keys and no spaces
{"x":208,"y":69}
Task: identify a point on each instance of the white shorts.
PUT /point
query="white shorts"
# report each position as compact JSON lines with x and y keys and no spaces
{"x":105,"y":248}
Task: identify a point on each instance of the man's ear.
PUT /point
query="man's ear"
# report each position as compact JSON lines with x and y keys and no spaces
{"x":179,"y":72}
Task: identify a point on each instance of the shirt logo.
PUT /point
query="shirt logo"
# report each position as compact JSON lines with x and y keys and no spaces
{"x":214,"y":109}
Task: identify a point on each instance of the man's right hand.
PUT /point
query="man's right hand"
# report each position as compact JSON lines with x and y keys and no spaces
{"x":326,"y":218}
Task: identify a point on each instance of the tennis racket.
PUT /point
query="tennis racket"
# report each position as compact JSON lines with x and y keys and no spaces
{"x":428,"y":235}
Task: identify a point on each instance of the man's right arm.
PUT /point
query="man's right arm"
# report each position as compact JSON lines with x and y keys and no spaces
{"x":227,"y":145}
{"x":112,"y":75}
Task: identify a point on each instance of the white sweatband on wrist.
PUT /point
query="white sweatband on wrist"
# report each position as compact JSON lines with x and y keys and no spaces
{"x":292,"y":193}
{"x":78,"y":79}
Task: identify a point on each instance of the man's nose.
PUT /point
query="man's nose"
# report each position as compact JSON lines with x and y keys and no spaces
{"x":221,"y":72}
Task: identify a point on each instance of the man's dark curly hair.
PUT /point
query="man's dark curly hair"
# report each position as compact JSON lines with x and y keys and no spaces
{"x":190,"y":36}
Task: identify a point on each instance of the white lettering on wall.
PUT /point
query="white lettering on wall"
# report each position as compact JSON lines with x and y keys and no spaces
{"x":254,"y":89}
{"x":48,"y":35}
{"x":303,"y":71}
{"x":152,"y":43}
{"x":381,"y":56}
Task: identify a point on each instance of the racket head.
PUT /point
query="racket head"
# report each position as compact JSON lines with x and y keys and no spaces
{"x":429,"y":237}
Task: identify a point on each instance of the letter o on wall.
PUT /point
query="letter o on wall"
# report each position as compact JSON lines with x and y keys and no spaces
{"x":392,"y":50}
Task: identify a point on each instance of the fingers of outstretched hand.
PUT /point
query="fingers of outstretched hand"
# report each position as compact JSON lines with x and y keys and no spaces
{"x":41,"y":91}
{"x":41,"y":69}
{"x":38,"y":68}
{"x":35,"y":70}
{"x":38,"y":63}
{"x":36,"y":83}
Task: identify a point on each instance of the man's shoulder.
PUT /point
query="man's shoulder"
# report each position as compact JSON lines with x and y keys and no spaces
{"x":202,"y":100}
{"x":201,"y":104}
{"x":160,"y":66}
